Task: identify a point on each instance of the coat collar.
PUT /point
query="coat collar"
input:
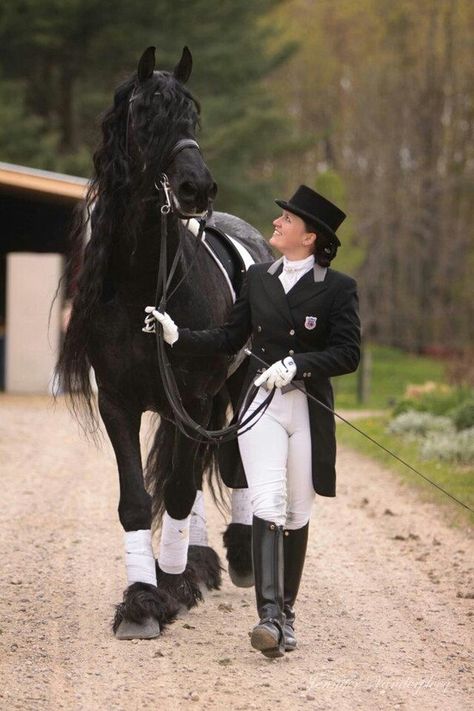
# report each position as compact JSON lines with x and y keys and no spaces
{"x":319,"y":273}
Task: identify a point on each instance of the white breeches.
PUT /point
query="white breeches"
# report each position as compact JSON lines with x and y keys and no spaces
{"x":276,"y":454}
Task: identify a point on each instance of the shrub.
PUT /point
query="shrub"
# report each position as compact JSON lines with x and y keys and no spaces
{"x":433,"y":398}
{"x":463,"y":415}
{"x":419,"y":424}
{"x":408,"y":405}
{"x":457,"y":447}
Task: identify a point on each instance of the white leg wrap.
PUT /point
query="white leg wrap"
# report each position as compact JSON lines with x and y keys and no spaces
{"x":198,"y":528}
{"x":139,"y":558}
{"x":241,"y":507}
{"x":174,"y":544}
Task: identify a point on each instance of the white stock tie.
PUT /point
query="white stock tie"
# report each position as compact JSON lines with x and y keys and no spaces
{"x":294,"y":270}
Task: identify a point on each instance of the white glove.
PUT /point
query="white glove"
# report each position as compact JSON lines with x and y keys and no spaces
{"x":170,"y":329}
{"x":277,"y":375}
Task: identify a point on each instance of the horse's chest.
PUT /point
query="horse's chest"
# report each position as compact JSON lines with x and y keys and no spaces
{"x":117,"y":331}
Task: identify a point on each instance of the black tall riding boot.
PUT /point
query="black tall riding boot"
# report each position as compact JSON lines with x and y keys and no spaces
{"x":294,"y":546}
{"x":267,"y":551}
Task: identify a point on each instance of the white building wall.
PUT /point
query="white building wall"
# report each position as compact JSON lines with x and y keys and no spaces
{"x":31,"y":347}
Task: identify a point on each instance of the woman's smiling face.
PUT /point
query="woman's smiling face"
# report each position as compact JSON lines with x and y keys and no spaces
{"x":291,"y":238}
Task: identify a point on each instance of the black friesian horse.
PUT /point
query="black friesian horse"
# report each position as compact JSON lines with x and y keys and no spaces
{"x":148,"y":131}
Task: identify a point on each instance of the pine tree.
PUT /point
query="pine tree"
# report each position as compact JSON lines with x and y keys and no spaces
{"x":66,"y":56}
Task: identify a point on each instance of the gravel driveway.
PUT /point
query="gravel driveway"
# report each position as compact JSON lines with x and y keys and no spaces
{"x":384,"y":614}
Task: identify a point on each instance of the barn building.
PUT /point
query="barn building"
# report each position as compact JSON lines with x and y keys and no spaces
{"x":36,"y":208}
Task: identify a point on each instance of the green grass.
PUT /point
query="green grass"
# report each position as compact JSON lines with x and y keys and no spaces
{"x":458,"y":481}
{"x":392,"y":370}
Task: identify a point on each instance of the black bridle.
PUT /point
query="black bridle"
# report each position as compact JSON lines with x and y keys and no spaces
{"x":168,"y":204}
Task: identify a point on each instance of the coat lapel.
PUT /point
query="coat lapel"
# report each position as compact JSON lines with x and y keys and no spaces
{"x":275,"y":291}
{"x":310,"y":285}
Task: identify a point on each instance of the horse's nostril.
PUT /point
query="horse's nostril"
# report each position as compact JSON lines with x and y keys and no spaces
{"x":187,"y":190}
{"x":213,"y":191}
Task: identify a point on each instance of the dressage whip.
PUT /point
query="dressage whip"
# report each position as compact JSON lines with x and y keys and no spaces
{"x":371,"y":439}
{"x":183,"y":420}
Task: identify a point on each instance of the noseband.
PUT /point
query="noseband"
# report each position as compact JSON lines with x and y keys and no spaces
{"x":179,"y":146}
{"x":170,"y":201}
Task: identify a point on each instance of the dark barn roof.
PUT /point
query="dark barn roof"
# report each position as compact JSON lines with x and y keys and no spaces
{"x":37,"y":208}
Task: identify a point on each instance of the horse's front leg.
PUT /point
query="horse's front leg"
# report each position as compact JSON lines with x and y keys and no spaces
{"x":187,"y":564}
{"x":144,"y":609}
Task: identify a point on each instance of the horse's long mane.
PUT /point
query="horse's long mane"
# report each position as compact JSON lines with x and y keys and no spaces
{"x":138,"y":131}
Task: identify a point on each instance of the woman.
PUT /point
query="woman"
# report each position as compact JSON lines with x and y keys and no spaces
{"x":303,"y":320}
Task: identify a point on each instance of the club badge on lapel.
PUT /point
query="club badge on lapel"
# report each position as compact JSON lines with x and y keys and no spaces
{"x":310,"y":322}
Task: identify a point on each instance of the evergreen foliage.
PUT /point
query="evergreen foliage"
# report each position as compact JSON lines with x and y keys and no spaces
{"x":65,"y":59}
{"x":369,"y":102}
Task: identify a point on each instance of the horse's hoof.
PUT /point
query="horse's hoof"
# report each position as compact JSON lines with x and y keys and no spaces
{"x":148,"y":629}
{"x":144,"y":612}
{"x":241,"y":580}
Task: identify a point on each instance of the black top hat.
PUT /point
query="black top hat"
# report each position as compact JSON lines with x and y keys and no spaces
{"x":316,"y":210}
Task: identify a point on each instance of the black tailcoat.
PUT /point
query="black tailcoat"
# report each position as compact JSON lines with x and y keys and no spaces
{"x":316,"y":322}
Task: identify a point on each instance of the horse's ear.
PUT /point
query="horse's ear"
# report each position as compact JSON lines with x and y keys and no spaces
{"x":182,"y":70}
{"x":146,"y":64}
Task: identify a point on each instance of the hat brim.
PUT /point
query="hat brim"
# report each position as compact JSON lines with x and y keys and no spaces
{"x":307,"y":216}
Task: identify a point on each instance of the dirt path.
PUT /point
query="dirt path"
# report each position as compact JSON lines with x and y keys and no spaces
{"x":384,"y":616}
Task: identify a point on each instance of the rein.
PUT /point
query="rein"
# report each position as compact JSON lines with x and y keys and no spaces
{"x":183,"y":420}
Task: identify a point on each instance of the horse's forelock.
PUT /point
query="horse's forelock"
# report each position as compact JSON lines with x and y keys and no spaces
{"x":164,"y":111}
{"x":123,"y":92}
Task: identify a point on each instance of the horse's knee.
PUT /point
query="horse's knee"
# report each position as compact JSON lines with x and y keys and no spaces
{"x":179,"y":498}
{"x":135,"y":515}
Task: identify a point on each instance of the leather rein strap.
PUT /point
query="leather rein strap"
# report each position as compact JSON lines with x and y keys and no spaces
{"x":183,"y":421}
